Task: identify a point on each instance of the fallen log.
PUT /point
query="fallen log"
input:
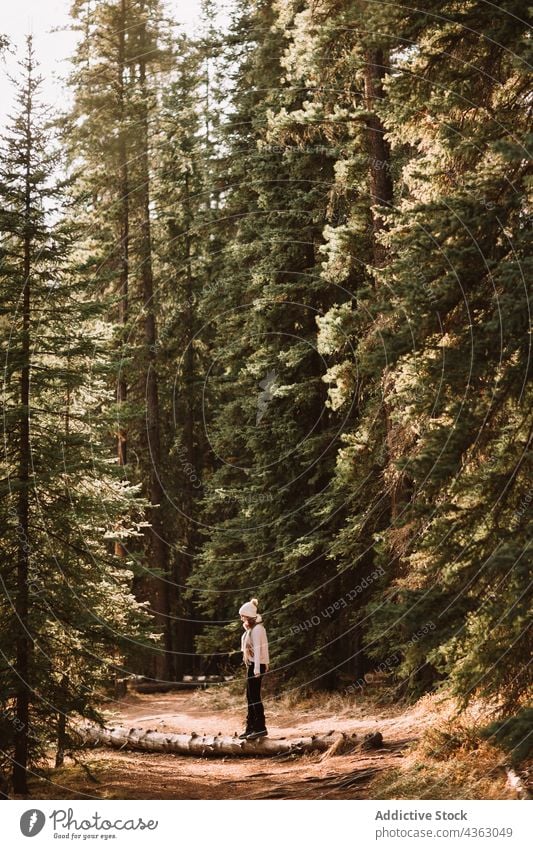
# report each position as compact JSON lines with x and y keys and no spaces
{"x":123,"y":685}
{"x":200,"y":745}
{"x":142,"y":684}
{"x":167,"y":686}
{"x":207,"y":679}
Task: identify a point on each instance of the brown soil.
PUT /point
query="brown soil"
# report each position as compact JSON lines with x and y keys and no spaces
{"x":106,"y":774}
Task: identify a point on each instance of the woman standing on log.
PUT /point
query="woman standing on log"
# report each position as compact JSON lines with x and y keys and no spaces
{"x":254,"y":645}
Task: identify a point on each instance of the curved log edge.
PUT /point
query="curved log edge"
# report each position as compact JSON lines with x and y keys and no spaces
{"x":201,"y":745}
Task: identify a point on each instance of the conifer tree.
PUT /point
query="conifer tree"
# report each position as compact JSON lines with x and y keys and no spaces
{"x":456,"y":335}
{"x":283,"y":351}
{"x":342,"y":57}
{"x":188,"y":240}
{"x":67,"y":609}
{"x":123,"y":48}
{"x":272,"y":436}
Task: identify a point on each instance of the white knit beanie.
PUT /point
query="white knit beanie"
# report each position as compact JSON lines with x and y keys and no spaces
{"x":249,"y":609}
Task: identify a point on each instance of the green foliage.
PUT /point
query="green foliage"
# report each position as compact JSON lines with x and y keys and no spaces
{"x":66,"y":606}
{"x":267,"y":528}
{"x":512,"y":734}
{"x":314,"y":236}
{"x":456,"y":336}
{"x":421,"y":330}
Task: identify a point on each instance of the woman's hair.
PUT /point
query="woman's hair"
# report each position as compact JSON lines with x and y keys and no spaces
{"x":254,"y":601}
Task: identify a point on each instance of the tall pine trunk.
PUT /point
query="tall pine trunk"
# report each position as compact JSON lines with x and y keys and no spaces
{"x":382,"y":194}
{"x":20,"y":784}
{"x":158,"y":554}
{"x":122,"y":386}
{"x":183,"y":628}
{"x":381,"y":188}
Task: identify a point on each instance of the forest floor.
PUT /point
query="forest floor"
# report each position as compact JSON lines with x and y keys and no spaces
{"x":404,"y":768}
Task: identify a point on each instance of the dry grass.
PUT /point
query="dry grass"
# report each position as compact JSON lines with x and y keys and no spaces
{"x":474,"y":775}
{"x":450,"y":761}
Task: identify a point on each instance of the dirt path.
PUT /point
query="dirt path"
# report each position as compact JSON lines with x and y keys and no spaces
{"x":108,"y":774}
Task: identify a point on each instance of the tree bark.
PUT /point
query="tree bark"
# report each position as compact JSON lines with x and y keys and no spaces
{"x":122,"y":386}
{"x":382,"y":194}
{"x":184,"y":629}
{"x":158,"y":587}
{"x":381,"y":189}
{"x":21,"y":748}
{"x":61,"y":739}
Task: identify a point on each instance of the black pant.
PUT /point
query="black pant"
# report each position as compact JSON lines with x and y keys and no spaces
{"x":255,"y":721}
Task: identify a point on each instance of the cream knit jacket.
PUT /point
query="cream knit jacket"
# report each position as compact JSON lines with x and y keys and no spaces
{"x":254,"y":646}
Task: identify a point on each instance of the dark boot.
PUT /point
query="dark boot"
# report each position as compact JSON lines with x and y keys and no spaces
{"x":254,"y":735}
